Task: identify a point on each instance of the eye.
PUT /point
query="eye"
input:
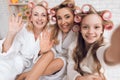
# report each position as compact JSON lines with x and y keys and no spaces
{"x":85,"y":26}
{"x":67,"y":16}
{"x":97,"y":27}
{"x":44,"y":15}
{"x":35,"y":14}
{"x":59,"y":18}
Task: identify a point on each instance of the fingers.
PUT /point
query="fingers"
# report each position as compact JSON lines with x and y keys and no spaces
{"x":12,"y":19}
{"x":20,"y":22}
{"x":15,"y":18}
{"x":45,"y":35}
{"x":96,"y":77}
{"x":45,"y":41}
{"x":20,"y":77}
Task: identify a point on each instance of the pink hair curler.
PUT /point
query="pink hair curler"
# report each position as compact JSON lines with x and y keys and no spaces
{"x":52,"y":20}
{"x":77,"y":19}
{"x":31,"y":5}
{"x":70,"y":5}
{"x":77,"y":10}
{"x":27,"y":13}
{"x":51,"y":12}
{"x":85,"y":8}
{"x":108,"y":26}
{"x":106,"y":15}
{"x":76,"y":28}
{"x":45,"y":4}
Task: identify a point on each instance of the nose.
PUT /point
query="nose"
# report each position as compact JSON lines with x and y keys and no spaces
{"x":90,"y":30}
{"x":63,"y":21}
{"x":39,"y":18}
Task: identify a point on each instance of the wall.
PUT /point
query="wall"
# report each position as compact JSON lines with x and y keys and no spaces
{"x":111,"y":5}
{"x":3,"y":18}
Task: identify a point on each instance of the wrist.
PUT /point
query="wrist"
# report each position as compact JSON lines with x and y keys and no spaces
{"x":78,"y":78}
{"x":44,"y":52}
{"x":11,"y":34}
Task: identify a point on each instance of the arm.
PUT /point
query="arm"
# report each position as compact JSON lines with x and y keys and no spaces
{"x":38,"y":68}
{"x":112,"y":54}
{"x":15,"y":25}
{"x":45,"y":58}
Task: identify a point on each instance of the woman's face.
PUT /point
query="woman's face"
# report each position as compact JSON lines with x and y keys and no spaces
{"x":65,"y":19}
{"x":39,"y":17}
{"x":91,"y":28}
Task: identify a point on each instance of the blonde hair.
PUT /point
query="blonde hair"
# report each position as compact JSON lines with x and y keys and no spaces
{"x":30,"y":24}
{"x":54,"y":34}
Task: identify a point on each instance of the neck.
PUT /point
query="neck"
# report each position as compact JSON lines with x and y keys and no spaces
{"x":87,"y":46}
{"x":37,"y":32}
{"x":64,"y":35}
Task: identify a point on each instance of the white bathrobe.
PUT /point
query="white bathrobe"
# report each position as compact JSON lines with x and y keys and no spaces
{"x":110,"y":72}
{"x":62,"y":52}
{"x":21,"y":55}
{"x":87,"y":65}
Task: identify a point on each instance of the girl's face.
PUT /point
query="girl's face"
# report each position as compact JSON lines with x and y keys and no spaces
{"x":91,"y":28}
{"x":39,"y":17}
{"x":65,"y":19}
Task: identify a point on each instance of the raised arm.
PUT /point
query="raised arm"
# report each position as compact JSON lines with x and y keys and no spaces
{"x":46,"y":56}
{"x":15,"y":25}
{"x":112,"y":55}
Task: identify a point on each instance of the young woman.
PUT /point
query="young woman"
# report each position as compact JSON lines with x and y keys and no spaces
{"x":89,"y":51}
{"x":20,"y":49}
{"x":64,"y":15}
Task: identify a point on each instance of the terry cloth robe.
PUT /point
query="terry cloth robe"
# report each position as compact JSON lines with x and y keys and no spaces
{"x":20,"y":56}
{"x":111,"y":72}
{"x":87,"y":65}
{"x":62,"y":52}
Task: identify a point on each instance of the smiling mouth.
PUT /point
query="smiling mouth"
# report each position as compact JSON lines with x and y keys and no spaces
{"x":39,"y":23}
{"x":64,"y":26}
{"x":90,"y":37}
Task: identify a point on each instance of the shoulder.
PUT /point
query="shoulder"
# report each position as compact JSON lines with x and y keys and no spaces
{"x":101,"y":51}
{"x":103,"y":47}
{"x":73,"y":45}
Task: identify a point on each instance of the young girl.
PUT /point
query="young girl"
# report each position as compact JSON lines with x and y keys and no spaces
{"x":87,"y":61}
{"x":20,"y":49}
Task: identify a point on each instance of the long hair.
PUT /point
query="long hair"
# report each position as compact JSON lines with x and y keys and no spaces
{"x":80,"y":50}
{"x":30,"y":24}
{"x":66,"y":4}
{"x":80,"y":53}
